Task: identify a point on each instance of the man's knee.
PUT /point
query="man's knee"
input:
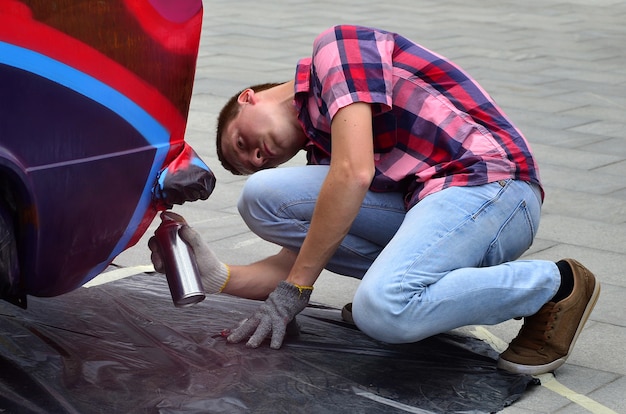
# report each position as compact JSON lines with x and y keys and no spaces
{"x":254,"y":196}
{"x":374,"y":315}
{"x":387,"y":317}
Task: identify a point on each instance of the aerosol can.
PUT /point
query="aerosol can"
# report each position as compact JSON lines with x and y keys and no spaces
{"x":181,"y":270}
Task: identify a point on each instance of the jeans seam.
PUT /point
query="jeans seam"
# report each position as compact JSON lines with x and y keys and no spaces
{"x":424,"y":253}
{"x":491,"y":201}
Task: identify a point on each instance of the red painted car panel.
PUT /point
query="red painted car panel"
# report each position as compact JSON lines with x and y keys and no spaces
{"x":94,"y":97}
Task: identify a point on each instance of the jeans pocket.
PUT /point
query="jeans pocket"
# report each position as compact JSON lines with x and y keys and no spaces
{"x":514,"y":237}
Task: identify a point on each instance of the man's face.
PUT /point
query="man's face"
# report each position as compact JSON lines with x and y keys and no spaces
{"x":258,"y":138}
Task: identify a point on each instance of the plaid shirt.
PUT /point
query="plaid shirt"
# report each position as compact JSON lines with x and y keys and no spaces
{"x":434,"y":127}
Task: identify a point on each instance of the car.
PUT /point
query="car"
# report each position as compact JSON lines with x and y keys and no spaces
{"x":94,"y":98}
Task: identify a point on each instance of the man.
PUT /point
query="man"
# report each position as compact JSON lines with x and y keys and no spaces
{"x":418,"y":184}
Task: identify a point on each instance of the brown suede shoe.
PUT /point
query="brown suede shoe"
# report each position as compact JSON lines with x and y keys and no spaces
{"x":548,"y":337}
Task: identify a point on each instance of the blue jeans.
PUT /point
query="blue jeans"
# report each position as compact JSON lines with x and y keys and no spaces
{"x":447,"y":262}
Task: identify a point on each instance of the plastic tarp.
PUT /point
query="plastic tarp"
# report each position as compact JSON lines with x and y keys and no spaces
{"x":123,"y":347}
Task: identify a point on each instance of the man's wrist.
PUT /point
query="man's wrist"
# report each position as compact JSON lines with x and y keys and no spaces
{"x":217,"y":281}
{"x":301,"y":290}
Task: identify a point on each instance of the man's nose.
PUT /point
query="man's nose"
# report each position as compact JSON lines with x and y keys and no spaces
{"x":256,"y":158}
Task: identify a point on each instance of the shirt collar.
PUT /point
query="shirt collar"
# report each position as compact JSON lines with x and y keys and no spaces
{"x":303,"y":75}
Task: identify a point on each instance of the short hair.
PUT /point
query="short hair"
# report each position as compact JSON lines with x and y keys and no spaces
{"x":227,"y":114}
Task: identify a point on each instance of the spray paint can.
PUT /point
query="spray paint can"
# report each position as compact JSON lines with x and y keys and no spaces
{"x":181,"y":270}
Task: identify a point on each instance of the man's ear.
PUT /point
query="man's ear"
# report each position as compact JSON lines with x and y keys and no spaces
{"x":246,"y":96}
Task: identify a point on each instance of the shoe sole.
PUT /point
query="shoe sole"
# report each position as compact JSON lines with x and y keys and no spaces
{"x":545,"y":368}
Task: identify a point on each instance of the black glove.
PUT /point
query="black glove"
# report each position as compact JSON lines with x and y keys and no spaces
{"x":281,"y":306}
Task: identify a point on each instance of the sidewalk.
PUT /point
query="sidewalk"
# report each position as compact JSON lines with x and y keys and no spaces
{"x":558,"y":69}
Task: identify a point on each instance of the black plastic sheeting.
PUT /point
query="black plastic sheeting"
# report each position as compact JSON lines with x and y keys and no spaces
{"x":124,"y":348}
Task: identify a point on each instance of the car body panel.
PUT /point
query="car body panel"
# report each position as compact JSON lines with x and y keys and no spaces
{"x":94,"y":99}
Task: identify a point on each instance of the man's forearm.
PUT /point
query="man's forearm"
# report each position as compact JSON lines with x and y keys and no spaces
{"x":259,"y":279}
{"x":337,"y":206}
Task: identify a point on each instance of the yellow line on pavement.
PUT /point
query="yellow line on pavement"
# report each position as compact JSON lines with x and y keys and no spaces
{"x":485,"y":335}
{"x":118,"y":274}
{"x":547,"y":380}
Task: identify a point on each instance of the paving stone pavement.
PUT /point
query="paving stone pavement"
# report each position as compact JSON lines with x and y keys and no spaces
{"x":557,"y":68}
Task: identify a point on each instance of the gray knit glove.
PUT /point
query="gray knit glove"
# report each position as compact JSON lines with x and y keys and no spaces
{"x":281,"y":306}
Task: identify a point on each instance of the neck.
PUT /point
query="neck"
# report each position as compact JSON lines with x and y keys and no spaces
{"x":283,"y":93}
{"x":282,"y":96}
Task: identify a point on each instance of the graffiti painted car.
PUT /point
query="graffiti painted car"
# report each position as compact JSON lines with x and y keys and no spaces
{"x":94,"y":98}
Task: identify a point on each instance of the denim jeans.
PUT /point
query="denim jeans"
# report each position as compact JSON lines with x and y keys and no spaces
{"x":448,"y":262}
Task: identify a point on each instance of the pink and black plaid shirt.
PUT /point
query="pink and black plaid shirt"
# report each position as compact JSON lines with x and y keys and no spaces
{"x":434,"y":126}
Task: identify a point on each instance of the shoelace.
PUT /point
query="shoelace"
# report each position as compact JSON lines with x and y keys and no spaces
{"x":537,"y":328}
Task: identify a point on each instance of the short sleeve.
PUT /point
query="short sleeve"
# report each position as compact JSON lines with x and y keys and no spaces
{"x":353,"y":64}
